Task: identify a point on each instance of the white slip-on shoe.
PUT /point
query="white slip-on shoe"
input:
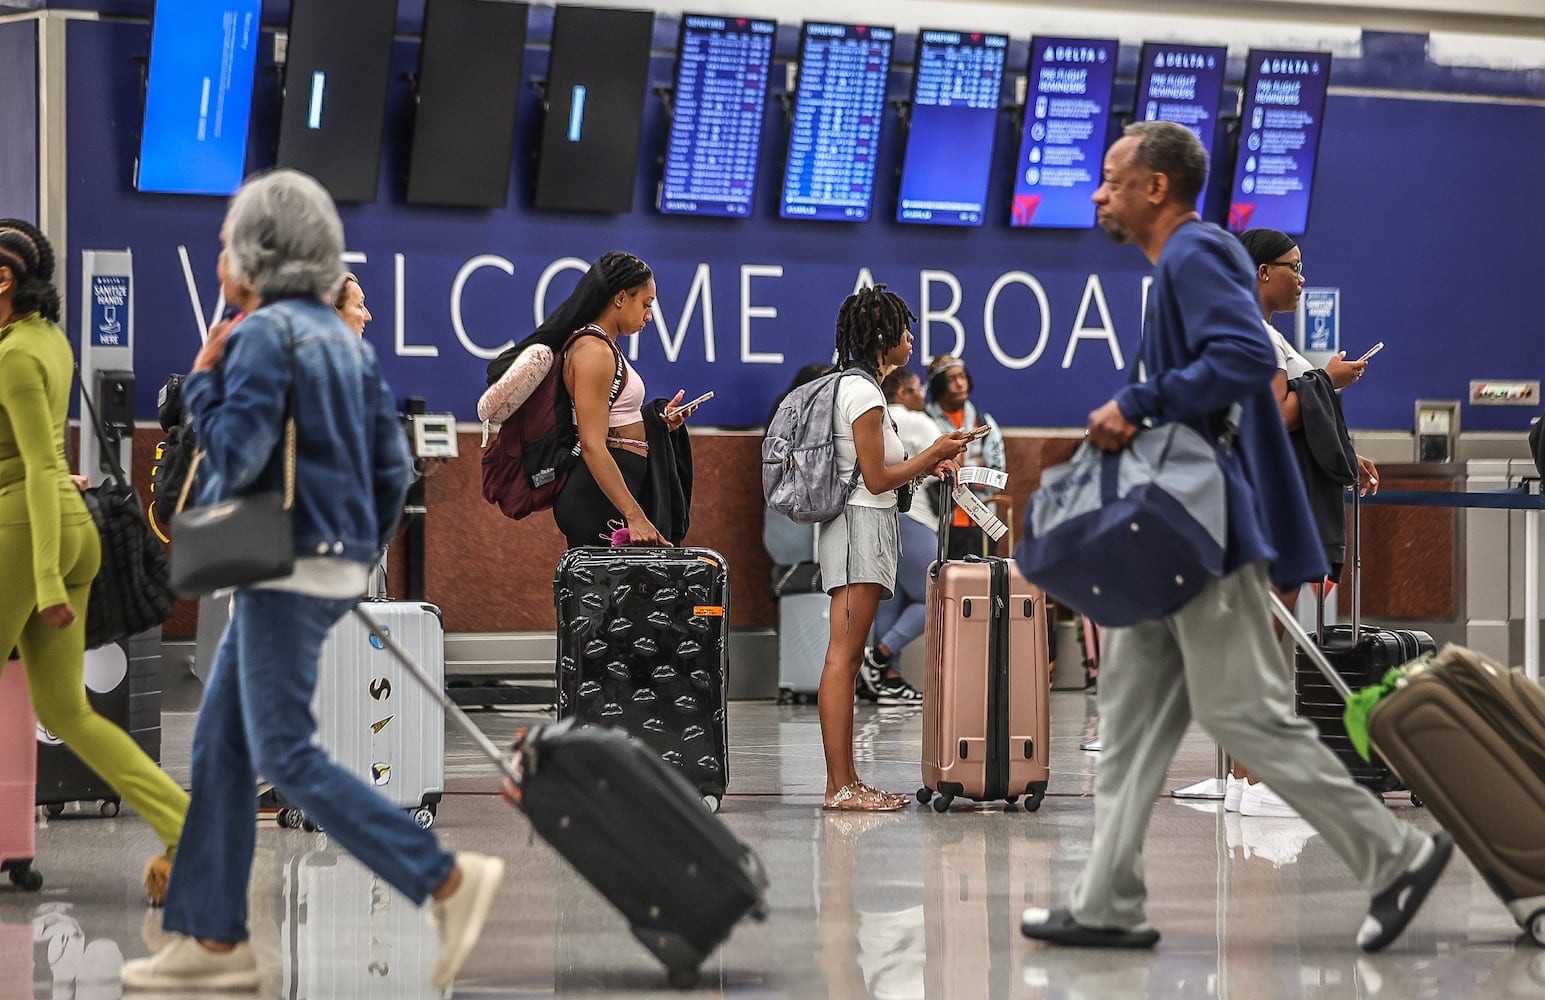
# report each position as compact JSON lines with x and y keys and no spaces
{"x":1259,"y":800}
{"x":187,"y":965}
{"x":459,"y":918}
{"x":1232,"y":792}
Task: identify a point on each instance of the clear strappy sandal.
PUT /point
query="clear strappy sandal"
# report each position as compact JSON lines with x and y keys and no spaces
{"x":857,"y":796}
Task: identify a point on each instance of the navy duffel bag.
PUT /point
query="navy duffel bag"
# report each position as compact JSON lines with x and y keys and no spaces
{"x":1130,"y":536}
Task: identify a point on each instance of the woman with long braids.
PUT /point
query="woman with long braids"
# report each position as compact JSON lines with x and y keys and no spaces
{"x":860,"y":547}
{"x":613,"y":482}
{"x":49,"y":544}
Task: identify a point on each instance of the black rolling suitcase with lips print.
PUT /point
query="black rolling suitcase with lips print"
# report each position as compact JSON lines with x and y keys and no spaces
{"x":643,"y":647}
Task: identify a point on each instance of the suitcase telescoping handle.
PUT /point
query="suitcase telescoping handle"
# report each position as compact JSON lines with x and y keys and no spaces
{"x":437,"y":693}
{"x":1311,"y":648}
{"x":946,"y":517}
{"x":1354,"y":568}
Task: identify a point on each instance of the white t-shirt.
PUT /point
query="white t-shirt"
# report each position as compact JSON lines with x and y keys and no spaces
{"x":918,"y":432}
{"x":856,"y":396}
{"x":1288,"y":358}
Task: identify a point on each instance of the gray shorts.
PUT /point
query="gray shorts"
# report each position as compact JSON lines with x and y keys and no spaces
{"x":861,"y":545}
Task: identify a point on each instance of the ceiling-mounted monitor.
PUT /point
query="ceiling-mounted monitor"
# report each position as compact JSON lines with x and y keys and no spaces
{"x":198,"y":96}
{"x":337,"y":66}
{"x":1067,"y":113}
{"x":1182,"y":84}
{"x":1279,"y":140}
{"x":953,"y":121}
{"x":597,"y":79}
{"x":722,"y":64}
{"x":469,"y":87}
{"x":839,"y":108}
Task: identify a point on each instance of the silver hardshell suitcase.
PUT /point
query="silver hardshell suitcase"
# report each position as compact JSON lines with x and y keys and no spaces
{"x":804,"y":626}
{"x":372,"y":719}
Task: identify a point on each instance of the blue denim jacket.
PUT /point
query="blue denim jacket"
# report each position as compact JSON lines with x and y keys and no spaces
{"x":352,"y":466}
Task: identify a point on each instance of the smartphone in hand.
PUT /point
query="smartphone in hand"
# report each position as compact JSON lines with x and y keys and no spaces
{"x":705,"y":397}
{"x":977,"y":433}
{"x":1375,"y":349}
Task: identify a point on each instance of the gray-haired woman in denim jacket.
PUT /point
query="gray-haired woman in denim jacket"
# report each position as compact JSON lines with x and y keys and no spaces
{"x":283,"y":248}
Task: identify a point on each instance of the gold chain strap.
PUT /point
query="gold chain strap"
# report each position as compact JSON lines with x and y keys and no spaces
{"x":289,"y":462}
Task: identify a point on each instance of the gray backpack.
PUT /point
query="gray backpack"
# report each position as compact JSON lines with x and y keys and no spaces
{"x":799,"y":453}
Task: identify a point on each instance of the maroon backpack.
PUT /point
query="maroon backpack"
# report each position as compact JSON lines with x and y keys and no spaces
{"x":528,"y":461}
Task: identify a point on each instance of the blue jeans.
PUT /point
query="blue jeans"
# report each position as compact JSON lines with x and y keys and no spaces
{"x":256,"y":718}
{"x":902,"y":618}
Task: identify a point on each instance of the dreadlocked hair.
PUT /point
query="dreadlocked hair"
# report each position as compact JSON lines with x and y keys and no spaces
{"x":26,"y":251}
{"x":870,"y":324}
{"x":623,"y":271}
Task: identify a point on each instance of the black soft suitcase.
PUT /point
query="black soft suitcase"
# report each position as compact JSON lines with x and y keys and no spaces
{"x":642,"y":646}
{"x":1362,"y":656}
{"x":630,"y":824}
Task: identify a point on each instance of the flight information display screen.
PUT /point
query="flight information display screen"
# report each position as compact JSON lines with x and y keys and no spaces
{"x":838,"y":111}
{"x":716,"y":125}
{"x":1279,"y":140}
{"x":1182,"y":84}
{"x":198,"y":98}
{"x":955,"y":95}
{"x":1067,"y":112}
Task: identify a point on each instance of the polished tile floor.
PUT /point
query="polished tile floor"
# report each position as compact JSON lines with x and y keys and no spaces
{"x":884,"y":907}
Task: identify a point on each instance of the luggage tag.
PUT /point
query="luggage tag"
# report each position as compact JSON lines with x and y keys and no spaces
{"x":974,"y":508}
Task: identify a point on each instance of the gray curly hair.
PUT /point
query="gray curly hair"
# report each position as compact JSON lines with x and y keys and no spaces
{"x":283,"y":237}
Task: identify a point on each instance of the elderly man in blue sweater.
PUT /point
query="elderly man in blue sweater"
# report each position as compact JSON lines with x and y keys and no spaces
{"x":1216,"y":660}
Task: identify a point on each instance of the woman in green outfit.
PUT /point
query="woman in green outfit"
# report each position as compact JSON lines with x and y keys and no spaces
{"x":49,"y":545}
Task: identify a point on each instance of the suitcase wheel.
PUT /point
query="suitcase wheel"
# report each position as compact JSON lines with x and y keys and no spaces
{"x":424,"y":817}
{"x":683,"y":978}
{"x":711,"y":803}
{"x":1034,"y":796}
{"x":287,"y":819}
{"x":26,"y":878}
{"x":110,"y":808}
{"x":53,"y":810}
{"x":1416,"y":801}
{"x":1536,"y":924}
{"x":941,"y":802}
{"x":1012,"y":799}
{"x":924,"y":794}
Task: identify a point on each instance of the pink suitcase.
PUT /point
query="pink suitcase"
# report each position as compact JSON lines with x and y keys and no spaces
{"x":986,"y":729}
{"x":18,"y":779}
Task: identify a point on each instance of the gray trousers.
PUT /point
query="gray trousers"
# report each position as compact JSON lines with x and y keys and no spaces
{"x":1215,"y":660}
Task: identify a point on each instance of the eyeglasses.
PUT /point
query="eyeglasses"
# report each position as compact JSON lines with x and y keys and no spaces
{"x":1297,"y":266}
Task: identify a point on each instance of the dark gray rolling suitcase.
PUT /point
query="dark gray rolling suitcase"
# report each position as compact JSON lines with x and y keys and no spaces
{"x":1360,"y":654}
{"x":123,"y":685}
{"x":642,"y":646}
{"x":630,"y":824}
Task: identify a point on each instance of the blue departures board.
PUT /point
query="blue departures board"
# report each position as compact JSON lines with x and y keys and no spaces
{"x":1279,"y":139}
{"x":716,"y":125}
{"x":1182,"y":84}
{"x":838,"y":111}
{"x":955,"y":96}
{"x":1062,"y":151}
{"x":198,"y":99}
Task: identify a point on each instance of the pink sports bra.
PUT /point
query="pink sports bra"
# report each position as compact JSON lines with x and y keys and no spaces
{"x":629,"y":407}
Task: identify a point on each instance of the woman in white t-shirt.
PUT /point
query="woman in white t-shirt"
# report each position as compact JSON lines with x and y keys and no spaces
{"x":1279,"y":277}
{"x":859,"y":548}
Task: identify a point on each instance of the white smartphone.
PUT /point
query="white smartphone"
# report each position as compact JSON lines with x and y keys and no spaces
{"x":705,"y":397}
{"x":1375,"y":349}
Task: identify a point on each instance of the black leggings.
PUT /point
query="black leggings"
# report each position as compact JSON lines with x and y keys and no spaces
{"x":582,"y":510}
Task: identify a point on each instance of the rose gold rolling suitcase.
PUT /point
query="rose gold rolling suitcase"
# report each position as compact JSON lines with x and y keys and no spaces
{"x":18,"y":777}
{"x":985,"y":719}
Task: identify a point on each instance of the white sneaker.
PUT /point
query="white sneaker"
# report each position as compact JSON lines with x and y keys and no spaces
{"x":1258,"y":800}
{"x":187,"y":965}
{"x":1232,"y":792}
{"x":458,"y":920}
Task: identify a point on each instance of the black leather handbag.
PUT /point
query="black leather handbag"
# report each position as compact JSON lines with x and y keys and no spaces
{"x":240,"y":540}
{"x":132,"y":592}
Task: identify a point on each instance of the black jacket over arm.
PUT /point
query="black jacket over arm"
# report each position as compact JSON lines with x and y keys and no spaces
{"x":667,"y":498}
{"x":1325,"y":460}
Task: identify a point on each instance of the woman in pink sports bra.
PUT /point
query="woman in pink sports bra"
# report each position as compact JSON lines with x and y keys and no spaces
{"x":606,"y":485}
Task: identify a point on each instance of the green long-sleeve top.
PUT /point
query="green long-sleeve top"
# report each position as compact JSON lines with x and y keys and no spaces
{"x":36,"y":372}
